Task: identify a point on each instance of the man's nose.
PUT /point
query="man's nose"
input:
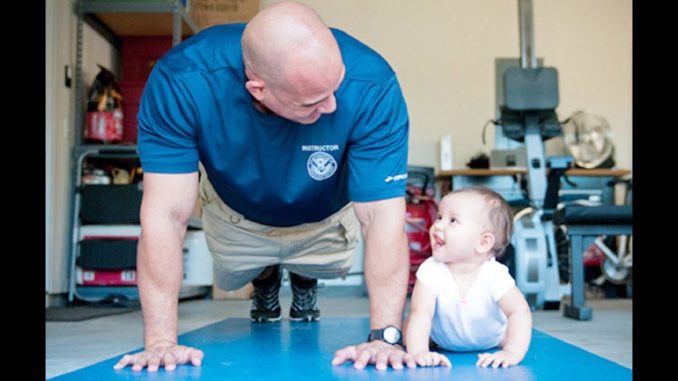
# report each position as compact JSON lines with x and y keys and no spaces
{"x":328,"y":106}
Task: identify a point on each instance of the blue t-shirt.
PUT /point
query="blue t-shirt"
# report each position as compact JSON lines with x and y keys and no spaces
{"x":274,"y":171}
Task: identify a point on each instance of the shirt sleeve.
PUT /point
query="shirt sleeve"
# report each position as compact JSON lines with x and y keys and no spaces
{"x":167,"y":123}
{"x":377,"y":157}
{"x":500,"y":281}
{"x":428,"y":275}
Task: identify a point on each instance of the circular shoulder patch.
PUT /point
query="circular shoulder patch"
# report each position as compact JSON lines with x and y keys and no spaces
{"x":321,"y":165}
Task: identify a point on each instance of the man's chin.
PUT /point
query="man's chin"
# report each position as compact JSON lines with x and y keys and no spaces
{"x":309,"y":120}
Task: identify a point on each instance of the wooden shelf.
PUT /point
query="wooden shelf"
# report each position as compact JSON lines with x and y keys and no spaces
{"x":139,"y":18}
{"x":142,"y":24}
{"x":521,"y":171}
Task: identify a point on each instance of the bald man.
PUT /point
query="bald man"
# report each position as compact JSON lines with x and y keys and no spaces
{"x":301,"y":132}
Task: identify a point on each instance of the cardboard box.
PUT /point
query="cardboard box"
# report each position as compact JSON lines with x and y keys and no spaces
{"x":206,"y":13}
{"x":239,"y":294}
{"x":197,"y":260}
{"x":87,"y":277}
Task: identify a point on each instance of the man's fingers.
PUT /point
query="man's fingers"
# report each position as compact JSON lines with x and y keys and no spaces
{"x":381,"y":361}
{"x":154,"y":363}
{"x":196,"y":356}
{"x":348,"y":353}
{"x":363,"y":359}
{"x":140,"y":363}
{"x":339,"y":358}
{"x":124,"y":361}
{"x":169,"y":360}
{"x":168,"y":357}
{"x":380,"y":354}
{"x":396,"y":359}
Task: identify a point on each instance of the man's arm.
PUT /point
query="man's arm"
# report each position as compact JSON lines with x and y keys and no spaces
{"x":166,"y":207}
{"x":386,"y":272}
{"x":386,"y":259}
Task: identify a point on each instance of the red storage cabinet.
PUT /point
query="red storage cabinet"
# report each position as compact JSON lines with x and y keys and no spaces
{"x":138,"y":55}
{"x":131,"y":96}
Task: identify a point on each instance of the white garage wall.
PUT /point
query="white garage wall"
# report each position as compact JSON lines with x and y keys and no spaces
{"x":444,"y":51}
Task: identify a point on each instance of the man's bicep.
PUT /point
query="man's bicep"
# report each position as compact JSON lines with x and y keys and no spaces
{"x":390,"y":212}
{"x":171,"y":194}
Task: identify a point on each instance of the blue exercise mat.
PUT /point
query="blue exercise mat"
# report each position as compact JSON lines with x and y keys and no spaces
{"x":236,"y":349}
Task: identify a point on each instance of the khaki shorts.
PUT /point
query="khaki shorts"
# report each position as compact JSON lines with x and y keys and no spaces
{"x":241,"y":249}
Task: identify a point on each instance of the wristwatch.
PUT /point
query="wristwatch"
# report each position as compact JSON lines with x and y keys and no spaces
{"x":389,"y":334}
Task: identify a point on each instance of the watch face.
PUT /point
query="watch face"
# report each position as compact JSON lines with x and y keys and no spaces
{"x":391,"y":335}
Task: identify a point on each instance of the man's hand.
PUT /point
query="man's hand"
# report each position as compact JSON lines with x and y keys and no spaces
{"x":497,"y":359}
{"x":375,"y":352}
{"x":167,"y":355}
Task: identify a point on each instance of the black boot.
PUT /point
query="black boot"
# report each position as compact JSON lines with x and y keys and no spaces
{"x":304,"y":299}
{"x":265,"y":305}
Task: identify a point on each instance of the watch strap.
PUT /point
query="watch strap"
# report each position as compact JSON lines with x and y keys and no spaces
{"x":378,"y":334}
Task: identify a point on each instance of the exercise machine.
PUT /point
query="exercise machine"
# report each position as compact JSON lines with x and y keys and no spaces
{"x":528,"y":115}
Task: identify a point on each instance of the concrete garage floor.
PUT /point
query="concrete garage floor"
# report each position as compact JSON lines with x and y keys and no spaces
{"x":73,"y":345}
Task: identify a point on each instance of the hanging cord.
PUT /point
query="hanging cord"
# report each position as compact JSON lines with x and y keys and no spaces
{"x":489,"y":121}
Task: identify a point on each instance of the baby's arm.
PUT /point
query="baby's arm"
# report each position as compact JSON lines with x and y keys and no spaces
{"x":418,"y":329}
{"x":518,"y":332}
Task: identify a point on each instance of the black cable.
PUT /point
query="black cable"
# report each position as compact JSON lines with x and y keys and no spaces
{"x":495,"y":122}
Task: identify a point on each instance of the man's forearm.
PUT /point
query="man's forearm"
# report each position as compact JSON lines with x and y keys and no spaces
{"x":160,"y":268}
{"x":386,"y":274}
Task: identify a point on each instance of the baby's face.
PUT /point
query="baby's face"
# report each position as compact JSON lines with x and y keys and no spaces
{"x":458,"y":228}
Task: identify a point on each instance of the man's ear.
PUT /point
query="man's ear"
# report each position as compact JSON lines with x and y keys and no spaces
{"x":255,"y":85}
{"x":485,"y":243}
{"x":256,"y":88}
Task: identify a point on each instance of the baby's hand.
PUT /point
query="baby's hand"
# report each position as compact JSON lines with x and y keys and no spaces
{"x":432,"y":359}
{"x":497,"y":359}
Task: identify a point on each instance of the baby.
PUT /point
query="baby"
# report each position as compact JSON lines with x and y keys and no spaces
{"x":464,"y":300}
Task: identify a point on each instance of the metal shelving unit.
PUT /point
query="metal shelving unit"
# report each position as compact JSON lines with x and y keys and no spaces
{"x":124,"y":18}
{"x":113,"y":19}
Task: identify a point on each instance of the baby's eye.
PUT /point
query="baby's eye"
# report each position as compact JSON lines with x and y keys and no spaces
{"x":453,"y":220}
{"x":439,"y":217}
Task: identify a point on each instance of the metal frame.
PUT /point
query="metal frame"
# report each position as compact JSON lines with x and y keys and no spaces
{"x":114,"y":152}
{"x":581,"y":236}
{"x":86,"y":11}
{"x":533,"y":238}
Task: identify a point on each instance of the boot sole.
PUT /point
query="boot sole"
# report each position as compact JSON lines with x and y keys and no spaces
{"x":306,"y":319}
{"x":266,"y":319}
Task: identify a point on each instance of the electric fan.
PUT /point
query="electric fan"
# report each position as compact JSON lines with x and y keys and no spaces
{"x":588,"y":139}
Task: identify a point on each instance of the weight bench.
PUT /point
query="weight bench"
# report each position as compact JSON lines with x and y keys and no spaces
{"x":584,"y":224}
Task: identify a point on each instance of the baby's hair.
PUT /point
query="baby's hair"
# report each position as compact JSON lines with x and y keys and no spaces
{"x":499,"y":214}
